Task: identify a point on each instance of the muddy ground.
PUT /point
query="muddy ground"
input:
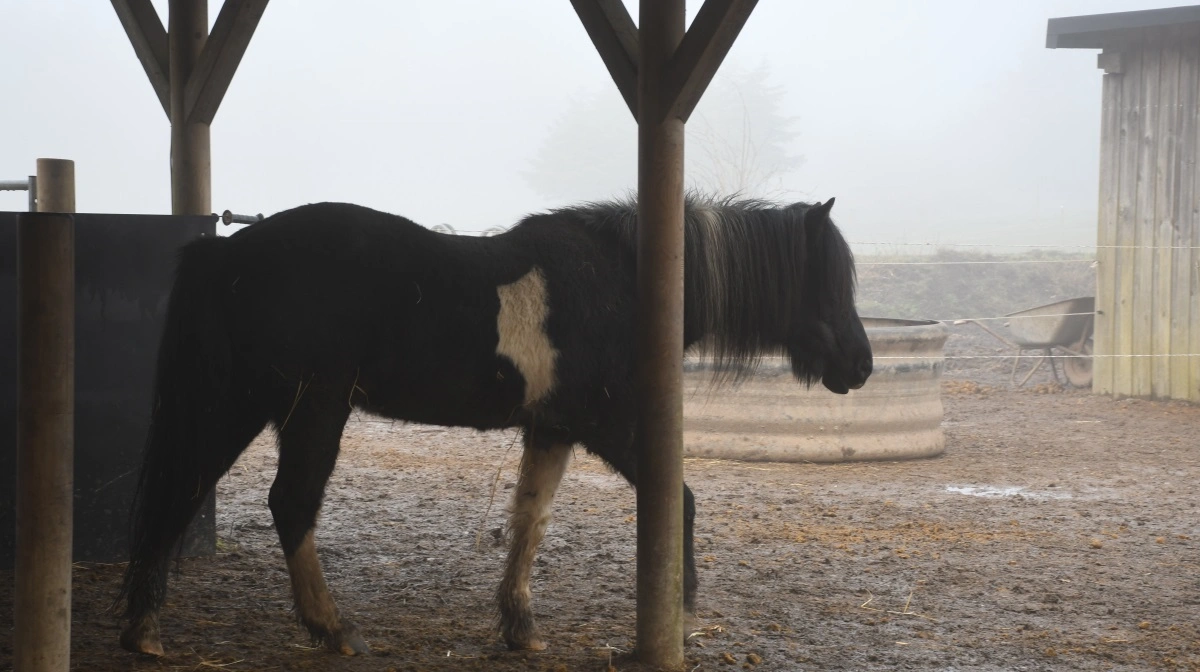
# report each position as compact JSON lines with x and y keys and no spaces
{"x":1059,"y":531}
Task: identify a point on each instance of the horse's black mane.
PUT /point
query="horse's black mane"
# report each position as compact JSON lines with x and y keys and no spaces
{"x":752,"y":270}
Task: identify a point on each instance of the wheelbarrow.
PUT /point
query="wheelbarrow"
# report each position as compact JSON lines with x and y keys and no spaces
{"x":1065,"y":326}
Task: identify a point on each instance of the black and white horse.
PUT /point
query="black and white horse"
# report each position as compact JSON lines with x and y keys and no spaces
{"x":324,"y":308}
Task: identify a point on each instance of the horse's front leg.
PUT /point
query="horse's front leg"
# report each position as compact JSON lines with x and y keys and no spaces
{"x":541,"y":470}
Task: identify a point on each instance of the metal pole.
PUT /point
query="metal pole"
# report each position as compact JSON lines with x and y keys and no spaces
{"x":45,"y":424}
{"x":659,"y":346}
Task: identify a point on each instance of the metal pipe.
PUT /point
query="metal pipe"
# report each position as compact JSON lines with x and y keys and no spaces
{"x":228,"y":217}
{"x":45,"y":425}
{"x":659,"y":362}
{"x":29,"y":184}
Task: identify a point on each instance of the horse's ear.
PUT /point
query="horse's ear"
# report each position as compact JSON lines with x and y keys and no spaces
{"x":819,"y":212}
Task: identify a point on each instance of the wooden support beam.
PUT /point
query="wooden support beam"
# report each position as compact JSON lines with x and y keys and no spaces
{"x":45,"y":424}
{"x":149,"y":40}
{"x":223,"y":51}
{"x":659,"y":357}
{"x":191,"y":175}
{"x":615,"y":37}
{"x":661,"y":70}
{"x":705,"y":45}
{"x":191,"y":163}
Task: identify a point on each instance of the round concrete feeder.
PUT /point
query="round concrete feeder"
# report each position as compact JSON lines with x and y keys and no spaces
{"x":772,"y":417}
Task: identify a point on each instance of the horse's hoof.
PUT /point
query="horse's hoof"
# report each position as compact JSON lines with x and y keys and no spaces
{"x":348,"y":642}
{"x":531,"y":644}
{"x":142,"y":637}
{"x":520,"y":632}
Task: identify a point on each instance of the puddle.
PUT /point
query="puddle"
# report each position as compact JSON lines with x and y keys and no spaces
{"x":1008,"y":491}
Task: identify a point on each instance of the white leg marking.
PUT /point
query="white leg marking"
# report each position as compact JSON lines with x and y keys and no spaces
{"x":314,"y":605}
{"x":522,"y":328}
{"x":540,"y":473}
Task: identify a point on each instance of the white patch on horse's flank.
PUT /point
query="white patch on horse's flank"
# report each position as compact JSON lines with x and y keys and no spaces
{"x":522,"y":328}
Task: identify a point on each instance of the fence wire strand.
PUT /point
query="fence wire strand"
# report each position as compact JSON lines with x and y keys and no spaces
{"x":987,"y":261}
{"x":1093,"y":356}
{"x":1043,"y":247}
{"x":1011,"y":317}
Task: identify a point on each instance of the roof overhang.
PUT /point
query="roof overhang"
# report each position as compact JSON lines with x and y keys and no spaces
{"x":1097,"y":31}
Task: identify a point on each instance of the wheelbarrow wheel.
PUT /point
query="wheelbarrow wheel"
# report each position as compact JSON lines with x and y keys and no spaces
{"x":1079,"y":369}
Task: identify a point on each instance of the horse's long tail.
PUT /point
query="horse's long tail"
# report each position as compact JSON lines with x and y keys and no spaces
{"x":190,"y":442}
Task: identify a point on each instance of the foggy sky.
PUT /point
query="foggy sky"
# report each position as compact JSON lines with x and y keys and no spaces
{"x":942,"y":121}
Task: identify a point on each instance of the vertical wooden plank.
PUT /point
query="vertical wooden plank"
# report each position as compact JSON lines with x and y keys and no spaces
{"x":1106,"y":234}
{"x":1166,"y":217}
{"x":1144,"y":224}
{"x":1183,"y":260}
{"x":1193,"y":206}
{"x":1129,"y":137}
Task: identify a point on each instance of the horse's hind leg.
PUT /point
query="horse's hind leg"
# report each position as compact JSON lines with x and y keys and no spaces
{"x":541,"y":470}
{"x":621,"y":456}
{"x":177,"y":481}
{"x":309,"y":439}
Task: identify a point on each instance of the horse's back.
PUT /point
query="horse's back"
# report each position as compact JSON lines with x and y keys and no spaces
{"x":414,"y":317}
{"x":321,"y":285}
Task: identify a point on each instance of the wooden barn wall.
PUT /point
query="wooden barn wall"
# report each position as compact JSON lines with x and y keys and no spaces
{"x":1148,"y":276}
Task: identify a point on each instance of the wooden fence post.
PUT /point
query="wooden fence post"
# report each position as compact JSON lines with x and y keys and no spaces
{"x":45,"y":423}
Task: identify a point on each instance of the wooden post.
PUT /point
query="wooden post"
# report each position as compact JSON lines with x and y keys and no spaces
{"x":45,"y":423}
{"x":671,"y":68}
{"x":55,"y":185}
{"x":659,"y":361}
{"x":191,"y":163}
{"x":191,"y":170}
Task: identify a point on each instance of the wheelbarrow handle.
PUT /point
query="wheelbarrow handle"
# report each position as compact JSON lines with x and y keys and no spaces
{"x":983,"y":326}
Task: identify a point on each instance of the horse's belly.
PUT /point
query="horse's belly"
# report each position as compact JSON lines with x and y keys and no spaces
{"x":449,"y":395}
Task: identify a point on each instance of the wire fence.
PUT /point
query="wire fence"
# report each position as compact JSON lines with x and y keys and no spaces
{"x":1035,"y":246}
{"x":973,"y":261}
{"x":1042,"y":356}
